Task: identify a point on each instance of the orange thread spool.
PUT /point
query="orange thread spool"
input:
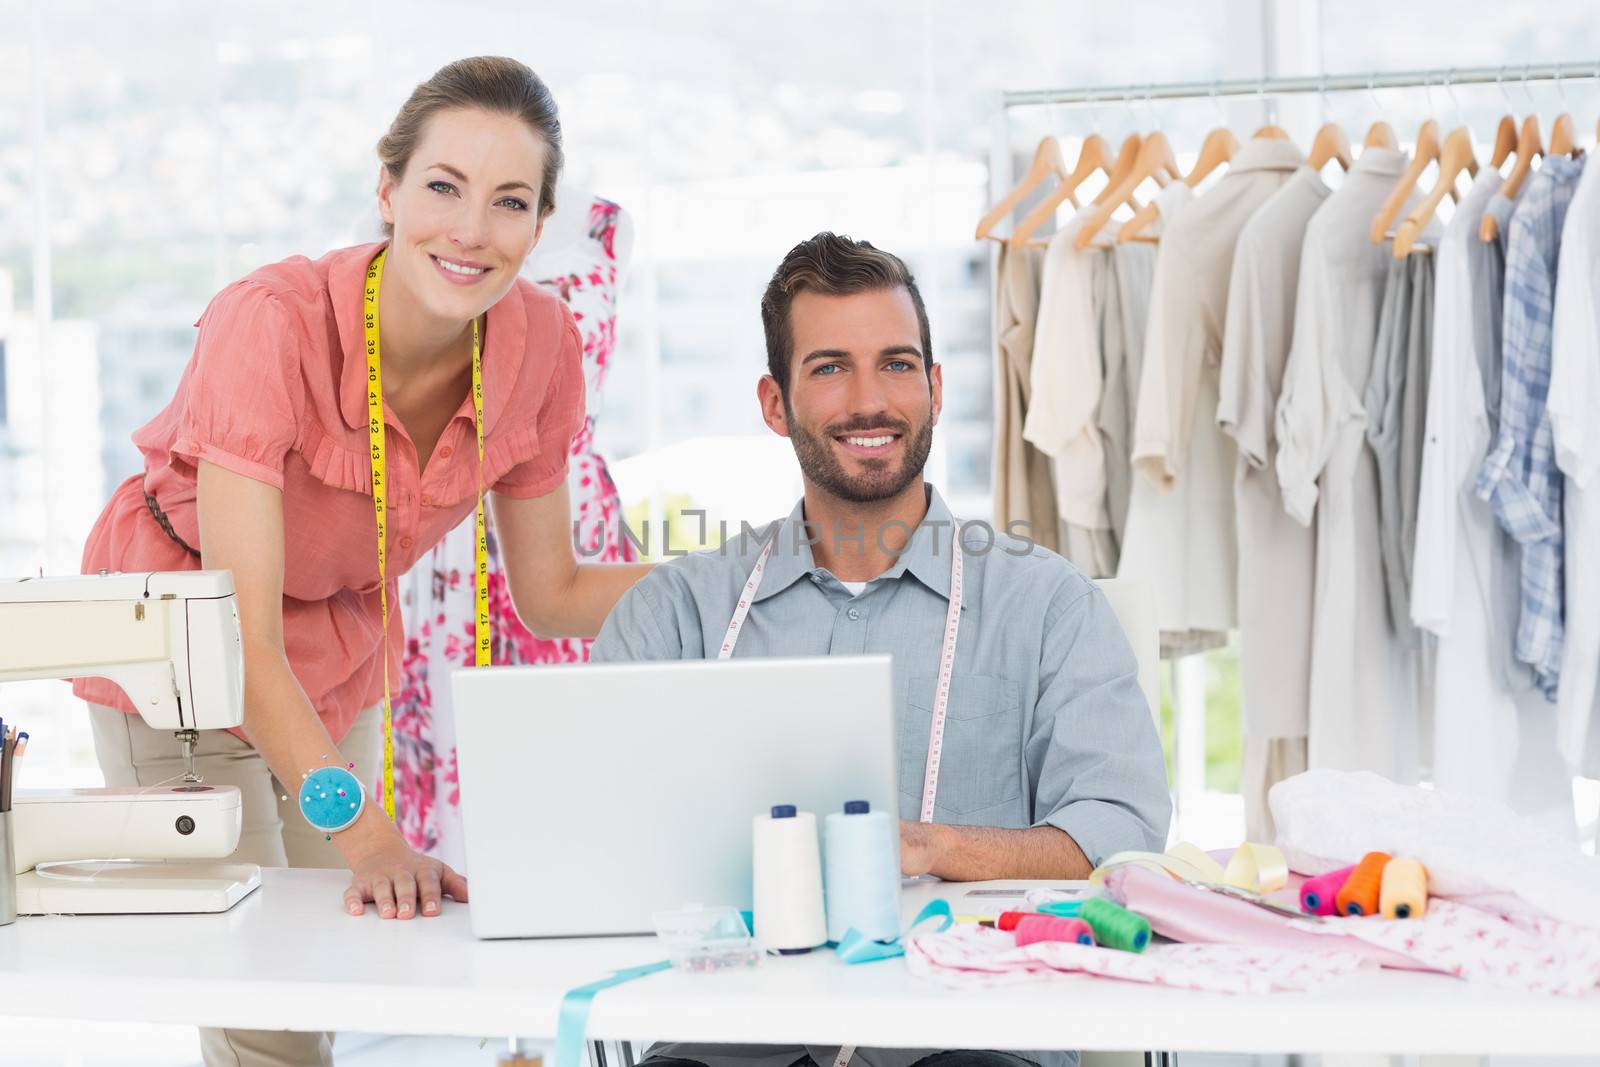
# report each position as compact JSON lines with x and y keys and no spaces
{"x":1360,"y":893}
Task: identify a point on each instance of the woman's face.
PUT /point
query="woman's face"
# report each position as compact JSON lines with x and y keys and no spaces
{"x":465,"y":212}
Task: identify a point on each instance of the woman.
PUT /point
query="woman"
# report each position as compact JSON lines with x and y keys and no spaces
{"x":262,"y":465}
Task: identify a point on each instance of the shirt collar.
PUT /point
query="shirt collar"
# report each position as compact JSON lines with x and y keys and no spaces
{"x":926,"y":557}
{"x":1265,"y":153}
{"x":505,"y":340}
{"x":1382,"y":162}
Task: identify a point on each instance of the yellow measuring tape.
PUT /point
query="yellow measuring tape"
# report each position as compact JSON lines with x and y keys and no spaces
{"x":375,"y":434}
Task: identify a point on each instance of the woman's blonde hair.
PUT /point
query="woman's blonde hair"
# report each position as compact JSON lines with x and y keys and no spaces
{"x":490,"y":83}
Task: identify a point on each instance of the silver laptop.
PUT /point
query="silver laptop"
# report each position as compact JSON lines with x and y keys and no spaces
{"x":595,"y":795}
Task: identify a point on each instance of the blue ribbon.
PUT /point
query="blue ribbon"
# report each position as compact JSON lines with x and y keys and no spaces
{"x":573,"y":1027}
{"x":855,"y":948}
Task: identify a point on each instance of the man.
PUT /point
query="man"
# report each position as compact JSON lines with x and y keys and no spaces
{"x":1050,"y":759}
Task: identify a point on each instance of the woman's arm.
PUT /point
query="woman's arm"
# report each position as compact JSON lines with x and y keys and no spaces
{"x":555,"y":595}
{"x":241,"y":530}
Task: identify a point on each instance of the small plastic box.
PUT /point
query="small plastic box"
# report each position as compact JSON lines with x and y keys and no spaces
{"x":704,"y":939}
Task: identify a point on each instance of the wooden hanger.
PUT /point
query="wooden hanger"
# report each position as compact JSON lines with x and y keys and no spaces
{"x":1427,"y":152}
{"x":1380,"y":135}
{"x":1270,"y":132}
{"x":1330,"y":144}
{"x":1218,"y":148}
{"x":1047,"y":160}
{"x":1528,"y":146}
{"x":1095,"y":155}
{"x":1505,"y":141}
{"x":1154,"y":160}
{"x":1563,"y":139}
{"x":1454,"y":157}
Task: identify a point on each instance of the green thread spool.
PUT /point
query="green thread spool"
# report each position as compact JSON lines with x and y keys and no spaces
{"x":1115,"y":926}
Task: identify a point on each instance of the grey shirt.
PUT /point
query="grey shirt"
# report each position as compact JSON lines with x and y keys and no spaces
{"x":1046,"y":726}
{"x":1396,"y":404}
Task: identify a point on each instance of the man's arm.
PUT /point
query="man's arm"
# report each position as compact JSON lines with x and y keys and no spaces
{"x":641,"y":627}
{"x":976,"y":853}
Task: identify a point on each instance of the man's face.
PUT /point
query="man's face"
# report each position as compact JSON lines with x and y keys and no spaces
{"x":861,"y":408}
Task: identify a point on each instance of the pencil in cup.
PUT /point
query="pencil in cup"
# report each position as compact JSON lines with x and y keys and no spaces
{"x":1360,"y":892}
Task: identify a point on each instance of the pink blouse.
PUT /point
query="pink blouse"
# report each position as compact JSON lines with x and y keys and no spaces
{"x":276,"y":391}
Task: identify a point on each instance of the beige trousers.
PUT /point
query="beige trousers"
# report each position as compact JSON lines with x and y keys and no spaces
{"x":274,"y":834}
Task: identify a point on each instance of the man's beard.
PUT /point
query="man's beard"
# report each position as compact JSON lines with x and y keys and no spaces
{"x":880,"y":480}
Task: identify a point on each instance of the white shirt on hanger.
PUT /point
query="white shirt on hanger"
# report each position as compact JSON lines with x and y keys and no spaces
{"x":1363,"y":678}
{"x":1487,"y":740}
{"x":1574,"y":407}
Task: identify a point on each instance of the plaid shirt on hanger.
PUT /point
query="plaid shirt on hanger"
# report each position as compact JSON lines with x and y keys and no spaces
{"x":1520,"y":478}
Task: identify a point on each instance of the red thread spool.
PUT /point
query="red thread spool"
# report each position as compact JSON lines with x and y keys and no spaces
{"x":1319,"y":895}
{"x":1034,"y":928}
{"x":1359,"y":894}
{"x":1009,"y":919}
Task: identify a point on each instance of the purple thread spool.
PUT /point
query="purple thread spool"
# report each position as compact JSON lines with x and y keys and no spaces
{"x":1317,"y":894}
{"x":1034,"y":928}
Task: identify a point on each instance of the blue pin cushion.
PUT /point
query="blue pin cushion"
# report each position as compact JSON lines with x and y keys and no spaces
{"x":331,"y":798}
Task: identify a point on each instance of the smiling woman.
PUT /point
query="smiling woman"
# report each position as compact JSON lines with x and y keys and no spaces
{"x":337,"y":419}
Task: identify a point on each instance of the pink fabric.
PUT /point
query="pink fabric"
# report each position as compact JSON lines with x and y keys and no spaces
{"x":1190,"y":914}
{"x":1540,"y":956}
{"x":970,"y":955}
{"x":276,"y":391}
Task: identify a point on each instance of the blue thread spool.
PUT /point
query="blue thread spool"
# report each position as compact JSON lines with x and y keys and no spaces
{"x":321,"y":802}
{"x":861,"y":872}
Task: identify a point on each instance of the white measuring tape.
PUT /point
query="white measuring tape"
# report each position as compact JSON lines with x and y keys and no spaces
{"x":947,"y":656}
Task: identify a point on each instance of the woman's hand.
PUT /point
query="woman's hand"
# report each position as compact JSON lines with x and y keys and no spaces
{"x":396,"y":879}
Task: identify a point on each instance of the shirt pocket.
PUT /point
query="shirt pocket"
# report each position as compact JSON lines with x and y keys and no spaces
{"x":981,"y":763}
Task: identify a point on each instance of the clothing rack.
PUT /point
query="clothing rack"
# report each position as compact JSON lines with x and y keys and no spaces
{"x":1446,"y":78}
{"x":1187,"y":676}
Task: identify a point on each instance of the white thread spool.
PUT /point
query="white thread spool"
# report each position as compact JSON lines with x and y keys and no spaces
{"x":861,"y":850}
{"x":788,"y":881}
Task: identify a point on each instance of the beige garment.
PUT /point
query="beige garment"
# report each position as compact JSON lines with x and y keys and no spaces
{"x":1198,"y":248}
{"x":274,"y":834}
{"x":1267,"y":761}
{"x":1277,"y":554}
{"x":1024,"y":486}
{"x":1067,"y":375}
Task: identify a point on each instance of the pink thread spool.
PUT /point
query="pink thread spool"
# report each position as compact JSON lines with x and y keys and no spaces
{"x":1053,"y":928}
{"x":1317,"y":895}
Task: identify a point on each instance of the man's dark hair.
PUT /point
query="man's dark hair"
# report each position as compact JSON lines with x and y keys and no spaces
{"x":834,"y":266}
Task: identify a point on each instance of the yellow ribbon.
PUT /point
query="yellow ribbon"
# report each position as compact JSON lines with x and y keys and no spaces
{"x":376,"y":438}
{"x":1254,"y":868}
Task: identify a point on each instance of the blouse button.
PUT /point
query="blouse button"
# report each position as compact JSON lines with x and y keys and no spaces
{"x":405,"y":542}
{"x":446,"y":452}
{"x":426,"y":500}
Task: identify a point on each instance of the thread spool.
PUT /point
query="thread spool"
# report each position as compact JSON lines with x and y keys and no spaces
{"x":1035,"y":928}
{"x":861,"y":872}
{"x":1115,"y":926}
{"x":1318,"y":895}
{"x":1404,"y":891}
{"x":1009,"y":919}
{"x":788,"y":881}
{"x":1359,"y":894}
{"x":1062,"y":909}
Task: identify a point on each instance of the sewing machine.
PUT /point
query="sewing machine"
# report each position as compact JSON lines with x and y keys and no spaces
{"x":171,"y":641}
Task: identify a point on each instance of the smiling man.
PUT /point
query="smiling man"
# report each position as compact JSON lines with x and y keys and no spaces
{"x":1050,"y":759}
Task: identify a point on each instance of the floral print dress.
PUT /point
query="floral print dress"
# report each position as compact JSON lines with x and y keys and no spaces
{"x":437,"y":595}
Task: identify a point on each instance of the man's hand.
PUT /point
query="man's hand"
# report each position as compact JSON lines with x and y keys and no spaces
{"x":922,"y":846}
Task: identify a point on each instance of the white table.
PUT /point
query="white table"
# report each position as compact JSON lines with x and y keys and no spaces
{"x":288,"y":958}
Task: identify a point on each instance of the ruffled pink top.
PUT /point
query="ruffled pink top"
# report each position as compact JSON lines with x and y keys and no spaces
{"x":276,"y":391}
